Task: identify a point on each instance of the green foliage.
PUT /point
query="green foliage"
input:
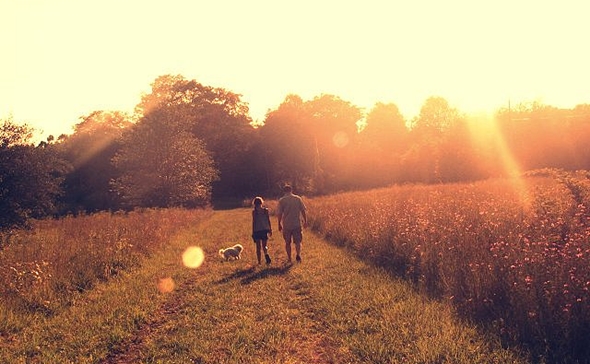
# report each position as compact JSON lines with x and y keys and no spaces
{"x":314,"y":144}
{"x":30,"y":177}
{"x":436,"y":116}
{"x":12,"y":134}
{"x":289,"y":151}
{"x":376,"y":158}
{"x":163,"y":166}
{"x":96,"y":140}
{"x":215,"y":116}
{"x":309,"y":143}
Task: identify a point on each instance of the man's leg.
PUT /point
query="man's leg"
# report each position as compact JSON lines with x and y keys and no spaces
{"x":297,"y":239}
{"x":287,"y":236}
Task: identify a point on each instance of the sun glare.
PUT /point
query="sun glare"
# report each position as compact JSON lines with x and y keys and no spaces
{"x":193,"y":257}
{"x":485,"y":132}
{"x":340,"y":139}
{"x":166,"y":285}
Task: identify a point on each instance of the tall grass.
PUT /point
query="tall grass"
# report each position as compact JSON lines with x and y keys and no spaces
{"x":44,"y":269}
{"x":513,"y":255}
{"x":332,"y":308}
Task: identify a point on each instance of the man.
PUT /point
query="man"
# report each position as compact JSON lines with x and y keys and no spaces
{"x":290,"y":212}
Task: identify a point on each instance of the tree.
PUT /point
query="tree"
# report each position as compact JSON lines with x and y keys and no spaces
{"x":334,"y":129}
{"x":12,"y":134}
{"x":289,"y":152}
{"x":215,"y":116}
{"x":163,"y":165}
{"x":95,"y":141}
{"x":541,"y":136}
{"x":382,"y":141}
{"x":385,"y":131}
{"x":432,"y":137}
{"x":309,"y":143}
{"x":436,"y":117}
{"x":30,"y":176}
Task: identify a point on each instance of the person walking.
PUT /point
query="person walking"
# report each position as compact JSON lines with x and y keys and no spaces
{"x":261,"y":229}
{"x":291,"y":212}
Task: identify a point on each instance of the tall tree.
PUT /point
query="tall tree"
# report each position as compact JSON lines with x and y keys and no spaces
{"x":90,"y":149}
{"x":430,"y":137}
{"x":163,"y":165}
{"x":216,"y":116}
{"x":385,"y":129}
{"x":382,"y":141}
{"x":436,"y":117}
{"x":334,"y":127}
{"x":289,"y":152}
{"x":309,"y":142}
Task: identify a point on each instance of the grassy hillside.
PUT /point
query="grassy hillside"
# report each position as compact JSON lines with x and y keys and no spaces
{"x":332,"y":308}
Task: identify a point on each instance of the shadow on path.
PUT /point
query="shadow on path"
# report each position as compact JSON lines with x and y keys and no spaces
{"x":251,"y":274}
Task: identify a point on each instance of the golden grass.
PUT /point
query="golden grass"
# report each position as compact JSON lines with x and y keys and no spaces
{"x":332,"y":308}
{"x":44,"y":270}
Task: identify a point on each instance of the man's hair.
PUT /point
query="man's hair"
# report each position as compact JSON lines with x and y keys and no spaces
{"x":287,"y":188}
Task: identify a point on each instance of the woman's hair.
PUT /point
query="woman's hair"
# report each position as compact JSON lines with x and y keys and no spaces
{"x":258,"y":201}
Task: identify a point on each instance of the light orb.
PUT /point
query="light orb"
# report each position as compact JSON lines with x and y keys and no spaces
{"x":193,"y":257}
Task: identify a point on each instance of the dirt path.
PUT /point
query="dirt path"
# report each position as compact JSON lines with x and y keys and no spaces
{"x":276,"y":292}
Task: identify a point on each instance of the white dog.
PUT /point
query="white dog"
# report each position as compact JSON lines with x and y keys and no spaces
{"x":235,"y":252}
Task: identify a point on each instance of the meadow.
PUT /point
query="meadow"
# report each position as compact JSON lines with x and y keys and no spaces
{"x":494,"y":271}
{"x":511,"y":254}
{"x":44,"y":270}
{"x":332,"y":308}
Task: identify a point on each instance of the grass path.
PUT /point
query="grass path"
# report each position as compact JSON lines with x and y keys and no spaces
{"x":332,"y":308}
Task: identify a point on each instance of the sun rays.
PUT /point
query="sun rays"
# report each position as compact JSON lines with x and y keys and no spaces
{"x":486,"y":134}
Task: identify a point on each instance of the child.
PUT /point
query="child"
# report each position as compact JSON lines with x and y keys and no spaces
{"x":261,"y":229}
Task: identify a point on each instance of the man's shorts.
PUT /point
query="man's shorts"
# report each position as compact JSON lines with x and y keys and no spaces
{"x":294,"y":235}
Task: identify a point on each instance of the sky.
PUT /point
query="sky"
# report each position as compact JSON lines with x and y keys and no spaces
{"x":63,"y":59}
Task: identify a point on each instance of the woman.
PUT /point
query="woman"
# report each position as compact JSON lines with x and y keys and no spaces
{"x":261,"y":229}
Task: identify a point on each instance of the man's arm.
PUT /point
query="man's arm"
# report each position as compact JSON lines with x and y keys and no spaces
{"x":304,"y":215}
{"x":303,"y":210}
{"x":279,"y":220}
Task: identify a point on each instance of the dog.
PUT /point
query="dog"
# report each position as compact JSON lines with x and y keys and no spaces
{"x":235,"y":252}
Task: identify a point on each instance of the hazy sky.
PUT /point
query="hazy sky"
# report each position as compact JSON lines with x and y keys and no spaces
{"x":62,"y":59}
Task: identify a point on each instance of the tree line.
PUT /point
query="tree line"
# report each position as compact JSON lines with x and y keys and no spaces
{"x":190,"y":145}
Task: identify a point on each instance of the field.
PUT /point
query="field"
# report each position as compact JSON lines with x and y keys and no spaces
{"x":513,"y":255}
{"x":491,"y":272}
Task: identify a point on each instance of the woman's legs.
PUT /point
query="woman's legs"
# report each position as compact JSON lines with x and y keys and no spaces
{"x":258,"y":248}
{"x":265,"y":248}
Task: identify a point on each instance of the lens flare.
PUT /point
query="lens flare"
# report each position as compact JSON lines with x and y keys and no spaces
{"x":193,"y":257}
{"x":484,"y":131}
{"x":166,"y":285}
{"x":340,"y":139}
